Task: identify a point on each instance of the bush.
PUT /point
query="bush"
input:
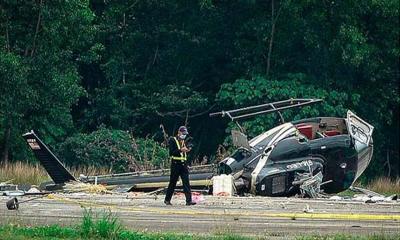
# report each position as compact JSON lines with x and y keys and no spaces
{"x":115,"y":149}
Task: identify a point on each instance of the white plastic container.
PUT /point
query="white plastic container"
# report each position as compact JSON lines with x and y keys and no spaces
{"x":223,"y":185}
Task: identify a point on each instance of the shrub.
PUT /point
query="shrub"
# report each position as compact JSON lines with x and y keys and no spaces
{"x":115,"y":149}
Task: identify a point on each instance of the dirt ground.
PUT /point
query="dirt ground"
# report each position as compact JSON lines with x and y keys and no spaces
{"x":261,"y":216}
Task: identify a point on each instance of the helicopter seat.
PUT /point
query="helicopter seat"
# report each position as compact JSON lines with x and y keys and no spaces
{"x":331,"y":133}
{"x":306,"y":130}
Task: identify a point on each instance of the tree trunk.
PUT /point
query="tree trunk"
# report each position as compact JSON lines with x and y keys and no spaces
{"x":274,"y":19}
{"x":6,"y":146}
{"x":37,"y":28}
{"x":271,"y":40}
{"x":7,"y":37}
{"x":388,"y":163}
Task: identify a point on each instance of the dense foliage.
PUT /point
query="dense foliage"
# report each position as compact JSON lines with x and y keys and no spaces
{"x":116,"y":149}
{"x":259,"y":89}
{"x":70,"y":68}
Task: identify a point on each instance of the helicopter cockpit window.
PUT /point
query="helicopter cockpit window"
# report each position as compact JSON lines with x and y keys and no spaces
{"x":241,"y":154}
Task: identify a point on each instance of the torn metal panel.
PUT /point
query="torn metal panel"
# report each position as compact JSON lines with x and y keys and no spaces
{"x":312,"y":186}
{"x":8,"y":187}
{"x":239,"y":139}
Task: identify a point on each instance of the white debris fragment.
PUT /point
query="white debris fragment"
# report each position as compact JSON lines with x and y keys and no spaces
{"x":378,"y":199}
{"x":33,"y":190}
{"x":307,"y":209}
{"x":372,"y":199}
{"x":336,"y":198}
{"x":197,"y":198}
{"x":14,"y":193}
{"x":362,"y":198}
{"x":393,"y":197}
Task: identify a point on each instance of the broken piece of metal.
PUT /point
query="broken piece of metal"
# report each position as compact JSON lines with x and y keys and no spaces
{"x":13,"y":203}
{"x":367,"y":192}
{"x":312,"y":186}
{"x":5,"y":186}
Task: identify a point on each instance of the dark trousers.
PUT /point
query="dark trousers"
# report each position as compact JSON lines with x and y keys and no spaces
{"x":179,"y":169}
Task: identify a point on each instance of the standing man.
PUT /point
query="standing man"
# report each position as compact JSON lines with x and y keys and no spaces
{"x":179,"y":168}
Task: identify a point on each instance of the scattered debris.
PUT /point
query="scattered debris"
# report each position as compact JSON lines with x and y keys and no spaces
{"x":13,"y":193}
{"x":365,"y":198}
{"x":8,"y":189}
{"x":33,"y":190}
{"x":7,"y":186}
{"x":222,"y":194}
{"x":393,"y":197}
{"x":365,"y":191}
{"x":369,"y":196}
{"x":155,"y":191}
{"x":85,"y":187}
{"x":312,"y":186}
{"x":336,"y":198}
{"x":197,"y":197}
{"x":307,"y":209}
{"x":13,"y":203}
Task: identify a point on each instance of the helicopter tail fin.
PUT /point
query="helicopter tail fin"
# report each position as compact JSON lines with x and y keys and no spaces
{"x":56,"y":170}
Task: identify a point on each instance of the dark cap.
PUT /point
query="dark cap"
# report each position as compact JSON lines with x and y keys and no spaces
{"x":183,"y":130}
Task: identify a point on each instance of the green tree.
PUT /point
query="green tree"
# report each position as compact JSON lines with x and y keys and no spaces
{"x":40,"y":45}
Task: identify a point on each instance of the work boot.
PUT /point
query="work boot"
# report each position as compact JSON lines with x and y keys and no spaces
{"x":190,"y":203}
{"x":168,"y":203}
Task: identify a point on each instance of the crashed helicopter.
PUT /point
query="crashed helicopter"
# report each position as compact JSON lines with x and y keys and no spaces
{"x":308,"y":156}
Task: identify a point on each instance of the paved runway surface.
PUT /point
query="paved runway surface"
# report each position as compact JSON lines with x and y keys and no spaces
{"x":260,"y":216}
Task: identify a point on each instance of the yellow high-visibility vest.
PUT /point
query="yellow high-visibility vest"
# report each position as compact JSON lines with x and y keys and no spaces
{"x":183,"y":156}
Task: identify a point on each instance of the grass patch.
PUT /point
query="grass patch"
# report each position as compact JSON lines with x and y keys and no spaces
{"x":350,"y":237}
{"x":108,"y":227}
{"x":21,"y":172}
{"x":39,"y":233}
{"x":382,"y":185}
{"x":385,"y":185}
{"x":35,"y":174}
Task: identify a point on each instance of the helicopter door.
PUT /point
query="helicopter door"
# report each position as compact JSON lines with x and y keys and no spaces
{"x":359,"y":129}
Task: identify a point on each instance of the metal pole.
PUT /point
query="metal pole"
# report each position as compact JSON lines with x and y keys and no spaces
{"x":271,"y":110}
{"x":276,"y":107}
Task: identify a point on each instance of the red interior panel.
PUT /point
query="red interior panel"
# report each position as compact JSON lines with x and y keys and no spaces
{"x":306,"y":130}
{"x":332,"y":133}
